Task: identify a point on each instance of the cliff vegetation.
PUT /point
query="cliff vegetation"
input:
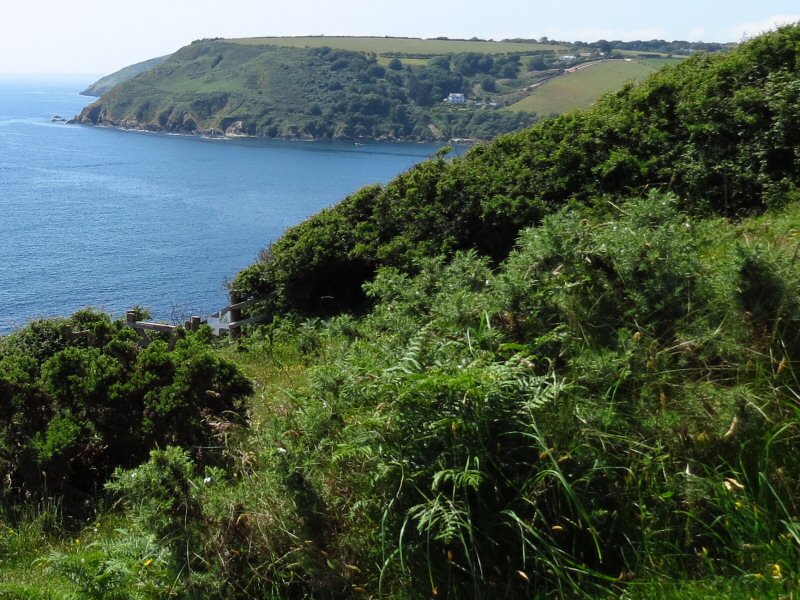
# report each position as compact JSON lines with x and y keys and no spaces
{"x":218,"y":88}
{"x":359,"y":88}
{"x":104,"y":84}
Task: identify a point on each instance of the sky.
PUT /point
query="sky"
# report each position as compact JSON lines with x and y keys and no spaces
{"x":102,"y":36}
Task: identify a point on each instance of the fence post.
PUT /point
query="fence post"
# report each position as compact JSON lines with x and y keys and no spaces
{"x":194,"y":323}
{"x":235,"y":315}
{"x":130,"y":317}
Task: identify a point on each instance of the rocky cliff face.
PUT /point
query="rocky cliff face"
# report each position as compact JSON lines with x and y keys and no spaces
{"x":175,"y":122}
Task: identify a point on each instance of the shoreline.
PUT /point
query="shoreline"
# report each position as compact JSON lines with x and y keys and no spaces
{"x":225,"y":136}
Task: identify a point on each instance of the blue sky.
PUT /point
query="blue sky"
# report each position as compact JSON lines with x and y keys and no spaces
{"x":101,"y":36}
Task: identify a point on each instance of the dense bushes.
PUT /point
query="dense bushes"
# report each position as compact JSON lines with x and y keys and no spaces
{"x":608,"y":407}
{"x":720,"y":132}
{"x":80,"y":398}
{"x":610,"y":403}
{"x":614,"y":404}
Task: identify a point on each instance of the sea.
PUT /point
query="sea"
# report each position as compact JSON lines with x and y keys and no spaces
{"x":110,"y":219}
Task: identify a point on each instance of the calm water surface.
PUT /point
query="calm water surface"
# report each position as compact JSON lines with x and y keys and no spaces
{"x":111,"y":219}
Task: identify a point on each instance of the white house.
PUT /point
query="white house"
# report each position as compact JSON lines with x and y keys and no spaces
{"x":455,"y":99}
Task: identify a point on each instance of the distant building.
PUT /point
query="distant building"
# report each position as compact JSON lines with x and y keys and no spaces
{"x":455,"y":99}
{"x":566,"y":57}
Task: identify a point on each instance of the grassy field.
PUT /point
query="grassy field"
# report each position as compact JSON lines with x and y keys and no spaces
{"x":407,"y":62}
{"x":582,"y":87}
{"x":381,"y":45}
{"x":636,"y":53}
{"x":660,"y":62}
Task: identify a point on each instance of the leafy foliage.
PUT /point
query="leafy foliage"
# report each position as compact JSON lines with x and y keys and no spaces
{"x":80,"y":397}
{"x":609,"y":407}
{"x":613,"y":401}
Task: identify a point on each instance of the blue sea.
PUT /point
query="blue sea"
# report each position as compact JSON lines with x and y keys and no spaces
{"x":112,"y":219}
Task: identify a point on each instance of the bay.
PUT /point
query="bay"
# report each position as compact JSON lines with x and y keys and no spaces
{"x":112,"y":219}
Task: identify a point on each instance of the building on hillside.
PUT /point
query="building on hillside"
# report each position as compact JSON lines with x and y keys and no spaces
{"x":455,"y":99}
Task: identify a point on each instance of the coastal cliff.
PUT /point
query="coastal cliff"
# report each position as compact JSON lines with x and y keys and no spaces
{"x":224,"y":88}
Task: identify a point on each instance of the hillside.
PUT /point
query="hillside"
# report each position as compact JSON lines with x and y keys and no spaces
{"x":340,"y":88}
{"x":719,"y":131}
{"x":581,"y":86}
{"x":565,"y":365}
{"x":216,"y":87}
{"x":104,"y":84}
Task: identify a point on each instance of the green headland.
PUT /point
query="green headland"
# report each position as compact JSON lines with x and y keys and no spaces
{"x":364,"y":88}
{"x":104,"y":84}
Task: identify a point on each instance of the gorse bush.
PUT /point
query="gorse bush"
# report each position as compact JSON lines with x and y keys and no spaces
{"x":640,"y":271}
{"x":80,"y":398}
{"x":165,"y":495}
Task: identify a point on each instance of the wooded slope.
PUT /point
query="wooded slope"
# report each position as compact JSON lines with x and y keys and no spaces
{"x":722,"y":132}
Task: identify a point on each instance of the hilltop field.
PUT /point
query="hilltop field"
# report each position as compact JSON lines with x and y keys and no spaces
{"x":559,"y":96}
{"x":581,"y":86}
{"x":563,"y":365}
{"x":359,"y":88}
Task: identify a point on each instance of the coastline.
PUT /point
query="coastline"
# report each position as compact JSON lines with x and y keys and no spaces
{"x":220,"y":135}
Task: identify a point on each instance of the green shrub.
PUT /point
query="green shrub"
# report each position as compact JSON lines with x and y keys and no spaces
{"x":558,"y":423}
{"x":80,"y":398}
{"x":167,"y":495}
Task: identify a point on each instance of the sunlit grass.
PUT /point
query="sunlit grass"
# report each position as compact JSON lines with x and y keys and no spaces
{"x":581,"y":88}
{"x":277,"y":371}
